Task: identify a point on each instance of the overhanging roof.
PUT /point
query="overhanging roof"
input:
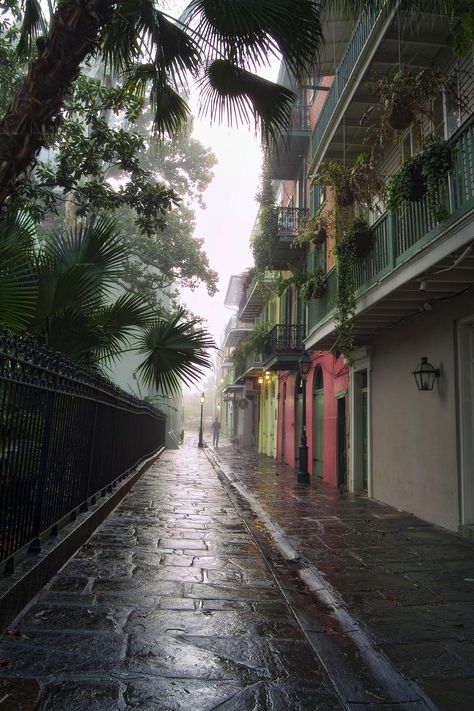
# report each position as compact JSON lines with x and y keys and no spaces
{"x":234,"y":291}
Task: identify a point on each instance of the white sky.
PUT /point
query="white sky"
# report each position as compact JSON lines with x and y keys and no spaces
{"x":230,"y":213}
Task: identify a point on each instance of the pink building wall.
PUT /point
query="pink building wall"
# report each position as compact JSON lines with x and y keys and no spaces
{"x":335,"y":381}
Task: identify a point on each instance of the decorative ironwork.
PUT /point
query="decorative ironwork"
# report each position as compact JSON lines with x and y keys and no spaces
{"x":66,"y":436}
{"x":283,"y":338}
{"x":289,"y":219}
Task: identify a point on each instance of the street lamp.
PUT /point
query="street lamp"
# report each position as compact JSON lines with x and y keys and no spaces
{"x":425,"y":375}
{"x":302,"y":476}
{"x":201,"y":443}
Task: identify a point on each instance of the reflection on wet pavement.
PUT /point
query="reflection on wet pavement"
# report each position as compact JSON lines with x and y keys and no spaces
{"x":169,"y":606}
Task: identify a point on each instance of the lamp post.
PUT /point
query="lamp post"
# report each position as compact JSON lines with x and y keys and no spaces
{"x":201,"y":443}
{"x":302,"y":476}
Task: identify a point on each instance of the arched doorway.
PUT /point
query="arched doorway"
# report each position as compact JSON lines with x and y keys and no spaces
{"x":298,"y":416}
{"x":318,"y":422}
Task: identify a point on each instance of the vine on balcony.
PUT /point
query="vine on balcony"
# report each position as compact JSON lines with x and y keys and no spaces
{"x":356,"y":243}
{"x":311,"y":285}
{"x":262,"y":242}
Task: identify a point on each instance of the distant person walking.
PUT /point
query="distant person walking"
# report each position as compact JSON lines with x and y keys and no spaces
{"x":216,"y":429}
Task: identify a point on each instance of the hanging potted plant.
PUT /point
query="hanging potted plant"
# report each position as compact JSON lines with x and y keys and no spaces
{"x":359,"y":182}
{"x":406,"y":98}
{"x":423,"y":174}
{"x":339,"y":178}
{"x":312,"y":229}
{"x":358,"y":240}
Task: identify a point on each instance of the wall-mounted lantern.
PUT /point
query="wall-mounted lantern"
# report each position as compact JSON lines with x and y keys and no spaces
{"x":425,"y":375}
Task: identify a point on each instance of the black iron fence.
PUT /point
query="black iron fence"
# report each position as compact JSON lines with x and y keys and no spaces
{"x":66,"y":437}
{"x":283,"y":338}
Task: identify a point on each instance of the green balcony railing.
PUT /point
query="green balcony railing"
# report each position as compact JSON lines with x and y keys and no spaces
{"x":356,"y":44}
{"x":399,"y":235}
{"x":252,"y":361}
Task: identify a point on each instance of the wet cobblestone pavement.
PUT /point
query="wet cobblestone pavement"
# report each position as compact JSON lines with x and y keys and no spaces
{"x":169,"y":606}
{"x":406,"y":585}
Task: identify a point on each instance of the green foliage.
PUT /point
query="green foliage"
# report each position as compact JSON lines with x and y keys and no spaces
{"x":405,"y":98}
{"x":311,"y":285}
{"x":18,"y":282}
{"x":354,"y":244}
{"x":425,"y":172}
{"x":75,"y":307}
{"x":314,"y":287}
{"x":314,"y":228}
{"x":359,"y":182}
{"x":155,"y":56}
{"x":262,"y":242}
{"x":175,"y":352}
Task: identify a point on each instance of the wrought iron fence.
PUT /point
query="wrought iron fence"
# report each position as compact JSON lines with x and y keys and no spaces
{"x":66,"y":436}
{"x":283,"y":338}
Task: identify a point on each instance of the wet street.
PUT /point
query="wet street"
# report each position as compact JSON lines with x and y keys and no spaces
{"x":169,"y":606}
{"x":220,"y":583}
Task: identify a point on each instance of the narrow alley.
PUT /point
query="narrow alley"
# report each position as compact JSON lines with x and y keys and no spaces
{"x":220,"y":583}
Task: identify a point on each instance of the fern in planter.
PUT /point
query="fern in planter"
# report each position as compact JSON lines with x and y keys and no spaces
{"x":423,"y":174}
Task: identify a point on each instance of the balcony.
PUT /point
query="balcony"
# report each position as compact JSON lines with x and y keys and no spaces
{"x":283,"y":347}
{"x":373,"y":50}
{"x":288,"y":221}
{"x":409,"y":247}
{"x":235,"y":331}
{"x":290,"y":147}
{"x":260,"y":290}
{"x":251,"y":368}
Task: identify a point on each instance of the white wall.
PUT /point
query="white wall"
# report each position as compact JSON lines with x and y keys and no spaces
{"x":415,"y":462}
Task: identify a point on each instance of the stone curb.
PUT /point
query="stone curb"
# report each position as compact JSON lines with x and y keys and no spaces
{"x":30,"y":576}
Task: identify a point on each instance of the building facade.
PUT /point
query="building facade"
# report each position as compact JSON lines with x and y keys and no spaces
{"x":398,"y":188}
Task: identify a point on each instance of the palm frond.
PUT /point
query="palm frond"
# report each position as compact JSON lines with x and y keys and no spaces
{"x":33,"y":25}
{"x":175,"y":351}
{"x":98,"y":243}
{"x":244,"y":97}
{"x":176,"y":52}
{"x":137,"y":29}
{"x":170,"y":110}
{"x":248,"y":31}
{"x":18,"y":283}
{"x":117,"y":322}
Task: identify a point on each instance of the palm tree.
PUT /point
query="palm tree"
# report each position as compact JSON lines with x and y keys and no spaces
{"x":62,"y":293}
{"x":221,"y":43}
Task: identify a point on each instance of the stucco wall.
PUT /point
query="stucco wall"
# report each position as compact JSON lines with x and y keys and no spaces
{"x":414,"y":441}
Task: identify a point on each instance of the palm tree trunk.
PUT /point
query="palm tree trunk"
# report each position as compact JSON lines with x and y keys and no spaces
{"x":35,"y":111}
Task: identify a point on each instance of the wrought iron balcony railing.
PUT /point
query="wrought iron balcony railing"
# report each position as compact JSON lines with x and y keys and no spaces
{"x":283,"y":339}
{"x":289,"y":220}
